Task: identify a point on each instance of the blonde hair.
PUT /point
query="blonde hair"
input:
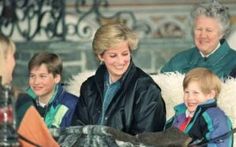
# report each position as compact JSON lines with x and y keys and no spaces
{"x":6,"y":46}
{"x":109,"y":35}
{"x":207,"y":80}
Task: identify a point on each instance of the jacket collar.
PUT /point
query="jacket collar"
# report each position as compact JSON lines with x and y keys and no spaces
{"x":55,"y":99}
{"x":214,"y":58}
{"x":99,"y":76}
{"x":181,"y":108}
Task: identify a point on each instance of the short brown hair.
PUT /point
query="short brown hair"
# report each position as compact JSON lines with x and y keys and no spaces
{"x":207,"y":80}
{"x":52,"y":61}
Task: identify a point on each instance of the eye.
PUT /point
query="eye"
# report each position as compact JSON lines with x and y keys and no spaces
{"x":112,"y":55}
{"x":43,"y":76}
{"x":198,"y":29}
{"x":186,"y":92}
{"x":125,"y":54}
{"x":209,"y":30}
{"x":195,"y":92}
{"x":31,"y":76}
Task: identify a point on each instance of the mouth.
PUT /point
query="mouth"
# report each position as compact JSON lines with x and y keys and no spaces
{"x":191,"y":104}
{"x":201,"y":41}
{"x":37,"y":88}
{"x":120,"y":67}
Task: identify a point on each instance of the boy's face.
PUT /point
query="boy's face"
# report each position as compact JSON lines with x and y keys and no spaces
{"x":42,"y":82}
{"x":193,"y":96}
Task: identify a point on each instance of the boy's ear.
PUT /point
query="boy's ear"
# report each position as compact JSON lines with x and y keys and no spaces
{"x":57,"y":78}
{"x":212,"y":94}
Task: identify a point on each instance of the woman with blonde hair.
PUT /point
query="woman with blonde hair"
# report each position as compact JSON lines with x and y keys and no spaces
{"x":120,"y":94}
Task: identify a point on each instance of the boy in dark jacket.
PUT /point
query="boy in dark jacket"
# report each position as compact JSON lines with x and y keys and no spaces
{"x":55,"y":105}
{"x":199,"y":116}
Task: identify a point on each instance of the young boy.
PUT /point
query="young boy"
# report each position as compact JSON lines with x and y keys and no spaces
{"x":55,"y":105}
{"x":199,"y":116}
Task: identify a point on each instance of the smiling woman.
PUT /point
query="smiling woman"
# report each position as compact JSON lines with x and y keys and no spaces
{"x":211,"y":24}
{"x":120,"y":95}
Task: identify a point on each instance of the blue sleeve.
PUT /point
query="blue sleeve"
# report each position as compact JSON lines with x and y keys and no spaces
{"x":218,"y":124}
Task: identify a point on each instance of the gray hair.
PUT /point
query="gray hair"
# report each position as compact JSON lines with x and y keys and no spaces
{"x":213,"y":9}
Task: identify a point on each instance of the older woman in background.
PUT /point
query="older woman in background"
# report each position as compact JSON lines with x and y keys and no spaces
{"x":211,"y":24}
{"x":120,"y":95}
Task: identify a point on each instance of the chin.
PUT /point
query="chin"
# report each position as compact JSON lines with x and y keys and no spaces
{"x":119,"y":73}
{"x":191,"y":109}
{"x":37,"y":93}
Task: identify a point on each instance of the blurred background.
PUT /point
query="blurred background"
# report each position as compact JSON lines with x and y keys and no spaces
{"x":66,"y":27}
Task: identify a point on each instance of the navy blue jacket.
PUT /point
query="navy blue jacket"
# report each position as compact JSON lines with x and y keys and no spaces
{"x":59,"y":112}
{"x":136,"y":107}
{"x":208,"y":122}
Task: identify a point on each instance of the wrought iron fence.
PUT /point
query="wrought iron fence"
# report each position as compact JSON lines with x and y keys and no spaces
{"x":48,"y":18}
{"x":28,"y":17}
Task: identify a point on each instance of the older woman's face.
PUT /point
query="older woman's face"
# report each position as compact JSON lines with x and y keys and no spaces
{"x":207,"y":34}
{"x":117,"y":60}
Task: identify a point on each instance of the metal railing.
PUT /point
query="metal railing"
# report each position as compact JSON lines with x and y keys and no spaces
{"x":48,"y":18}
{"x":31,"y":17}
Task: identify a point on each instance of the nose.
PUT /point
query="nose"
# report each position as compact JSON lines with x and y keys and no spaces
{"x":188,"y":96}
{"x":35,"y":80}
{"x":121,"y":60}
{"x":203,"y":33}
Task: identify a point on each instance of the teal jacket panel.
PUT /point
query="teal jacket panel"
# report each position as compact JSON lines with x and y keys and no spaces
{"x":221,"y":62}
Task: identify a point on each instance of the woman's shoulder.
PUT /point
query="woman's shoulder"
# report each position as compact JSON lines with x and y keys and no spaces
{"x":185,"y":53}
{"x":144,"y":81}
{"x":180,"y":59}
{"x":142,"y":76}
{"x":232,"y":52}
{"x":75,"y":83}
{"x":89,"y":83}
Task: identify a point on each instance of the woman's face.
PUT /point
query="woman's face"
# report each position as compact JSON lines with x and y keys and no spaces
{"x":207,"y":34}
{"x":193,"y":96}
{"x":117,"y":60}
{"x":42,"y":82}
{"x":10,"y":61}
